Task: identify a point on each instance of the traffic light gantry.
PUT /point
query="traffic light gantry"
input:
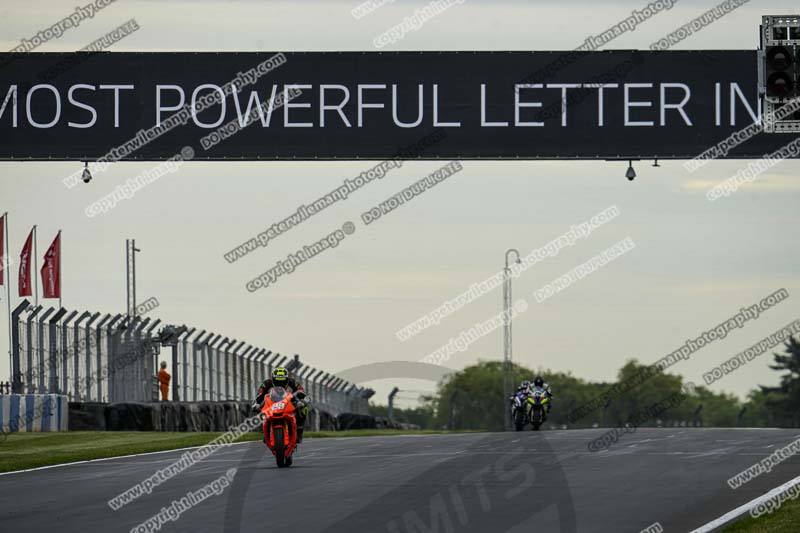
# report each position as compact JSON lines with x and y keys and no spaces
{"x":779,"y":73}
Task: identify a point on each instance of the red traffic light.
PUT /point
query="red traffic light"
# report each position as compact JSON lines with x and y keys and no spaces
{"x":779,"y":85}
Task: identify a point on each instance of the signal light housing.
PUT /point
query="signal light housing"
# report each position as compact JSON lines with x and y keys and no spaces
{"x":779,"y":57}
{"x":779,"y":73}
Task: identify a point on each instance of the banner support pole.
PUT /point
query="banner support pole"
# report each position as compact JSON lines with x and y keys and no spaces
{"x":7,"y":281}
{"x":59,"y":269}
{"x":35,"y":266}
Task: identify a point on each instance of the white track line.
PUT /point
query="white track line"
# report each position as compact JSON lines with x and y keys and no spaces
{"x":736,"y":513}
{"x":161,"y":451}
{"x":113,"y":458}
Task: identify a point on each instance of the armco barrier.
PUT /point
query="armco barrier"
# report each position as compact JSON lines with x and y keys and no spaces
{"x":33,"y":413}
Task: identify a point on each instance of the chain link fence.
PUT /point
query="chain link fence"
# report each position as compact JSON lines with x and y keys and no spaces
{"x":91,"y":357}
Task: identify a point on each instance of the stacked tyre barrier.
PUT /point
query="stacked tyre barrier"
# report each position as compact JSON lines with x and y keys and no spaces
{"x":201,"y":416}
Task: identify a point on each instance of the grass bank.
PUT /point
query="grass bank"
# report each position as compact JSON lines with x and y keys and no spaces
{"x":785,"y":519}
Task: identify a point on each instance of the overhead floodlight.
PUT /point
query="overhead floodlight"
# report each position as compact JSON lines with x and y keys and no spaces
{"x":630,"y":173}
{"x":86,"y":176}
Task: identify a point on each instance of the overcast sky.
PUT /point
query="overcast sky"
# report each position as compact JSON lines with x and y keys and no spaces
{"x":695,"y":262}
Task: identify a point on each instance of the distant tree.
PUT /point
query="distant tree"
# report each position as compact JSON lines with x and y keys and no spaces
{"x":378,"y":410}
{"x":784,"y":400}
{"x":656,"y":388}
{"x":756,"y":412}
{"x":718,"y":410}
{"x":422,"y":416}
{"x":473,"y":398}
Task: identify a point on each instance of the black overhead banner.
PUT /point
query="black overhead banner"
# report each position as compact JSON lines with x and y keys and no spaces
{"x":354,"y":105}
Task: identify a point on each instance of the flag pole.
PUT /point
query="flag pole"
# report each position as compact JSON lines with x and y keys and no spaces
{"x":59,"y":269}
{"x":7,"y":281}
{"x":35,"y":267}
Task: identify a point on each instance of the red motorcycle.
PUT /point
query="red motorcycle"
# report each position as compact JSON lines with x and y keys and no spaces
{"x":279,"y":424}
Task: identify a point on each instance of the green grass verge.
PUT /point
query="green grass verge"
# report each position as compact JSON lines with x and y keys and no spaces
{"x":786,"y":519}
{"x":30,"y":450}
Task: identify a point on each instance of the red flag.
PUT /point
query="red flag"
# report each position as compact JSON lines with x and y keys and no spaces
{"x":51,"y":270}
{"x":25,"y":267}
{"x":2,"y":247}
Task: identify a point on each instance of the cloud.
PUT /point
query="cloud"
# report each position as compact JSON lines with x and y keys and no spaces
{"x":771,"y":182}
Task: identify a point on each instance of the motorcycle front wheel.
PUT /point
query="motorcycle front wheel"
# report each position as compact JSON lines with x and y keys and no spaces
{"x":280,"y":448}
{"x":536,"y":419}
{"x":519,"y":421}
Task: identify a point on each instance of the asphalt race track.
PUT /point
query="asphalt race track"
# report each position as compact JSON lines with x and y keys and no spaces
{"x":515,"y":482}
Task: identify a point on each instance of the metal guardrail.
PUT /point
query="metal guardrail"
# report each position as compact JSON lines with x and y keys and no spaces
{"x":114,"y":358}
